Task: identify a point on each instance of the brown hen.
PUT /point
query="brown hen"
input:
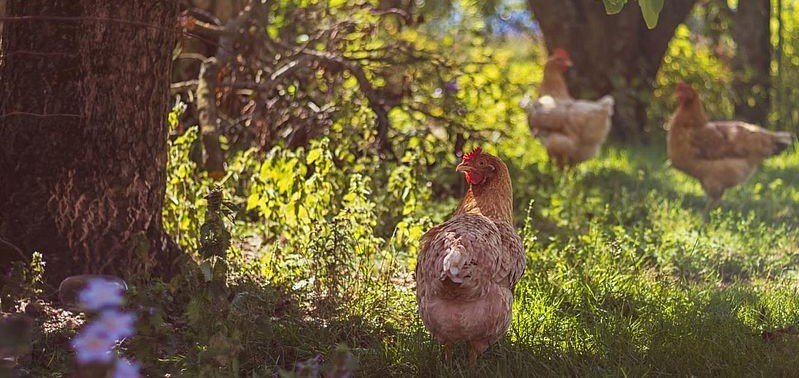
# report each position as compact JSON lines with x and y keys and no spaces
{"x":468,"y":266}
{"x":719,"y":154}
{"x":571,"y":130}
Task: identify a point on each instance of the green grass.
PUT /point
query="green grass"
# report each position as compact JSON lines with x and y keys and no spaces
{"x":625,"y":277}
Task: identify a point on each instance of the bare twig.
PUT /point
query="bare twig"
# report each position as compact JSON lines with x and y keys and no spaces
{"x":14,"y":247}
{"x":372,"y":96}
{"x":40,"y":115}
{"x":194,"y":56}
{"x":206,"y":28}
{"x":194,"y":12}
{"x":391,"y":11}
{"x":183,"y":86}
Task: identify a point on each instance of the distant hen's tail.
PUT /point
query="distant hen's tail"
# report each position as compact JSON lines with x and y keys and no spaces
{"x":782,"y":140}
{"x":607,"y":102}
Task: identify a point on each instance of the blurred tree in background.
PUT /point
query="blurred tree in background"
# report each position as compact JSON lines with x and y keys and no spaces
{"x":751,"y":31}
{"x":614,"y":54}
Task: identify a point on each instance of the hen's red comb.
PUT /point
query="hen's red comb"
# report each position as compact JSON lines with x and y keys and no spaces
{"x":561,"y":53}
{"x":683,"y":85}
{"x":471,"y":155}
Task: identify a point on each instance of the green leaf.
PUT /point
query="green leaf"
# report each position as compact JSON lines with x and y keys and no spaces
{"x":651,"y":10}
{"x":314,"y":155}
{"x":253,"y":200}
{"x":614,"y":6}
{"x":263,"y":173}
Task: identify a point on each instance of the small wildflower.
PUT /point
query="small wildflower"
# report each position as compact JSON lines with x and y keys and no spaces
{"x":101,"y":293}
{"x":92,"y":346}
{"x":310,"y":367}
{"x":116,"y":324}
{"x":452,"y":85}
{"x":124,"y":368}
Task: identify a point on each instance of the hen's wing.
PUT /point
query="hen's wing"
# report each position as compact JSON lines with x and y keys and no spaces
{"x":735,"y":139}
{"x":468,"y":251}
{"x":514,"y":260}
{"x":547,"y":114}
{"x":591,"y":119}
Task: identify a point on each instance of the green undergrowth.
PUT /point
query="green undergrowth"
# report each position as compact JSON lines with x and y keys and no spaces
{"x":626,"y":274}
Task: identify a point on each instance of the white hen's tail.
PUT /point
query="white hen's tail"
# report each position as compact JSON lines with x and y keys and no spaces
{"x":782,"y":140}
{"x":453,"y":266}
{"x":607,"y":102}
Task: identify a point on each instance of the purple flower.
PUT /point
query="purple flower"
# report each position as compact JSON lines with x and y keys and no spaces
{"x":101,"y":293}
{"x":92,"y":346}
{"x":124,"y":368}
{"x":310,"y":367}
{"x":452,"y":85}
{"x":116,"y":324}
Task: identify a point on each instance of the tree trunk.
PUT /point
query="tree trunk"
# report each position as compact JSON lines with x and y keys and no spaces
{"x":84,"y":88}
{"x":752,"y":63}
{"x":613,"y":54}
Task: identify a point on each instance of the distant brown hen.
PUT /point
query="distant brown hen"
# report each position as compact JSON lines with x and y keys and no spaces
{"x":571,"y":130}
{"x":468,"y":266}
{"x":719,"y":154}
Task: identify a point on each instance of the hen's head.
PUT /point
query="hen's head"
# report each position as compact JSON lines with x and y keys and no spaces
{"x":562,"y":59}
{"x":480,"y":168}
{"x":684,"y":93}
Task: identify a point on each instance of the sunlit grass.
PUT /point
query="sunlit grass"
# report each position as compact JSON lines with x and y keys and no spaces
{"x":625,"y":277}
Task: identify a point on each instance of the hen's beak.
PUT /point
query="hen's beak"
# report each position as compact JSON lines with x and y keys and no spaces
{"x":463,"y":167}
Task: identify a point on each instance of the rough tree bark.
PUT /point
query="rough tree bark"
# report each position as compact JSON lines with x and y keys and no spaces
{"x":613,"y":54}
{"x":752,"y":62}
{"x":84,"y":88}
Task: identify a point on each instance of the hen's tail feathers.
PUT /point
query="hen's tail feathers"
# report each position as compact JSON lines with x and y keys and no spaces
{"x":782,"y":141}
{"x":452,"y":269}
{"x":608,"y":102}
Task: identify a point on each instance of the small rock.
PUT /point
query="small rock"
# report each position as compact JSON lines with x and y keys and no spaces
{"x":70,"y":288}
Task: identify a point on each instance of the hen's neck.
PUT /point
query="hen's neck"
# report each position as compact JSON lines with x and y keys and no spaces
{"x":690,"y":114}
{"x":493,"y":199}
{"x":553,"y":83}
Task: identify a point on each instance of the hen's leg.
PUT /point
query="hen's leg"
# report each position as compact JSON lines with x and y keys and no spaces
{"x":712,"y":204}
{"x":476,"y":348}
{"x":448,"y":352}
{"x":561,"y":163}
{"x":709,"y":206}
{"x":713,"y":200}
